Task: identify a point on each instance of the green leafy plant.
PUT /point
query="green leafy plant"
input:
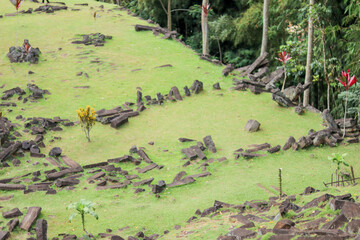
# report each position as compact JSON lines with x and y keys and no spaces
{"x":338,"y":159}
{"x":82,"y":208}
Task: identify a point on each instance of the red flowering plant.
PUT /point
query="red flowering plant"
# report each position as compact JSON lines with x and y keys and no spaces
{"x":347,"y":82}
{"x":283,"y":57}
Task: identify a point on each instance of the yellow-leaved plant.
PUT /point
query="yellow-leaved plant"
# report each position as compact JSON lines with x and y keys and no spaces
{"x":87,"y":119}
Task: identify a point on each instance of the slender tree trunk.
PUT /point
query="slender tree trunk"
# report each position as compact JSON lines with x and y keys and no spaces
{"x":220,"y":52}
{"x":205,"y":31}
{"x":309,"y":54}
{"x":265,"y":35}
{"x":346,"y":100}
{"x":169,"y":15}
{"x":325,"y":70}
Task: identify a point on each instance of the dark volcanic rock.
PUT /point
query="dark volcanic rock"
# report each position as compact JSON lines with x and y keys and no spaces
{"x":12,"y":213}
{"x":24,"y":54}
{"x":209,"y":143}
{"x":55,"y":152}
{"x":197,"y":86}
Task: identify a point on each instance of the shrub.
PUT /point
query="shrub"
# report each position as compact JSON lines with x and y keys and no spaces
{"x":87,"y":119}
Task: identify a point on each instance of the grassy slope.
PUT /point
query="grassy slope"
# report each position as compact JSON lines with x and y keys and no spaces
{"x":223,"y":117}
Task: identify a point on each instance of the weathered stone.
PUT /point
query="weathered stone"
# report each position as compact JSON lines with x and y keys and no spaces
{"x":175,"y":92}
{"x":67,"y":182}
{"x":351,"y":210}
{"x":274,"y":149}
{"x":291,"y":140}
{"x":242,"y":233}
{"x":187,"y":91}
{"x":252,"y":126}
{"x":13,"y":224}
{"x":41,"y":229}
{"x":117,"y":122}
{"x":216,"y":86}
{"x":353,"y":227}
{"x":228,"y":69}
{"x":96,"y":176}
{"x":328,"y":118}
{"x":281,"y":99}
{"x":309,"y":190}
{"x":197,"y":86}
{"x":147,"y":168}
{"x":315,"y":202}
{"x":209,"y":143}
{"x":4,"y":235}
{"x":5,"y":186}
{"x":55,"y":152}
{"x":181,"y":182}
{"x":30,"y":217}
{"x":336,"y":223}
{"x":313,"y":225}
{"x":12,"y":213}
{"x":143,"y":182}
{"x":144,"y":156}
{"x":100,"y":164}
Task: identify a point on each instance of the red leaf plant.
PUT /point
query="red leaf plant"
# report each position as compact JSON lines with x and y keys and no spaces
{"x":283,"y":57}
{"x":347,"y":82}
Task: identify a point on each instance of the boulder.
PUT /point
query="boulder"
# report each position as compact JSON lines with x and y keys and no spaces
{"x":216,"y":86}
{"x":252,"y":126}
{"x":291,"y":140}
{"x":197,"y":86}
{"x":353,"y":227}
{"x":209,"y":143}
{"x":55,"y":152}
{"x":284,"y":224}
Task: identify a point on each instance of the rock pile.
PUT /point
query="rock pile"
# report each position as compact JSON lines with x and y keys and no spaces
{"x":251,"y":219}
{"x":157,"y":30}
{"x":22,"y":54}
{"x":50,"y":8}
{"x":96,"y":39}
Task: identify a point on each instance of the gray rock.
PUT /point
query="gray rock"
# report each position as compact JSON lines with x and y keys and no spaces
{"x":252,"y":126}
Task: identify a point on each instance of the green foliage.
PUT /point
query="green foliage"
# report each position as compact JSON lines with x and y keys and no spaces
{"x":338,"y":159}
{"x":353,"y":100}
{"x":83,"y":208}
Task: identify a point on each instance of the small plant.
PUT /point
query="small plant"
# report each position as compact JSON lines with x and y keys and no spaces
{"x":283,"y":57}
{"x":347,"y":82}
{"x":83,"y":207}
{"x":338,"y":159}
{"x":87,"y":119}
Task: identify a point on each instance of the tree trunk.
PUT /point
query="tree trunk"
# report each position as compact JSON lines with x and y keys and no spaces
{"x":325,"y":69}
{"x":205,"y":33}
{"x":220,"y":52}
{"x":309,"y":53}
{"x":265,"y":35}
{"x":169,"y":15}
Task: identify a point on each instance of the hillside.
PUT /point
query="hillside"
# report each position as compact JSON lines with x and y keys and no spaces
{"x":110,"y":82}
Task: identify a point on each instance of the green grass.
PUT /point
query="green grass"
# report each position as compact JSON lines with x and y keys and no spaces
{"x":209,"y":113}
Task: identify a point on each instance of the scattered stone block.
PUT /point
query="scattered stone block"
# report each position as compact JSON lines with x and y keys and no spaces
{"x":143,"y":182}
{"x":13,"y":224}
{"x":291,"y":140}
{"x":147,"y":168}
{"x":252,"y":126}
{"x":4,"y":235}
{"x":209,"y":143}
{"x":30,"y":217}
{"x":12,"y":213}
{"x":41,"y":229}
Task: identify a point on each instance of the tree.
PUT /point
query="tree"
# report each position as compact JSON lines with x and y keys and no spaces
{"x":205,"y":27}
{"x":265,"y":35}
{"x":309,"y":53}
{"x":168,"y":13}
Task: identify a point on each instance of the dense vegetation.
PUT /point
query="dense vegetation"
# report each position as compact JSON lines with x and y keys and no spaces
{"x":235,"y":37}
